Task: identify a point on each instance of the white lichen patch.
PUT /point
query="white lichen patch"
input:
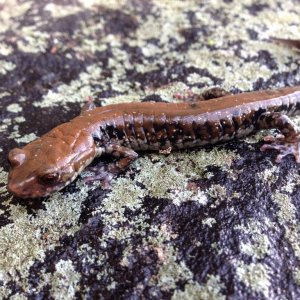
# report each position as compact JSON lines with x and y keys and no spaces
{"x":211,"y":290}
{"x":6,"y":66}
{"x":5,"y":49}
{"x":64,"y":281}
{"x":60,"y":11}
{"x":111,"y":4}
{"x":291,"y":181}
{"x":209,"y":222}
{"x":28,"y":237}
{"x":256,"y":276}
{"x":3,"y":94}
{"x":10,"y":11}
{"x":33,"y":41}
{"x":179,"y":196}
{"x":27,"y":138}
{"x":14,"y":107}
{"x":258,"y":248}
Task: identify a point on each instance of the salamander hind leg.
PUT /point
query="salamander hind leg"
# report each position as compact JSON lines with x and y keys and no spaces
{"x":105,"y":173}
{"x":288,"y":142}
{"x":211,"y":93}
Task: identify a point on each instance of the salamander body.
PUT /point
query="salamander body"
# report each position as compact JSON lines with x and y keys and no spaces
{"x":55,"y":159}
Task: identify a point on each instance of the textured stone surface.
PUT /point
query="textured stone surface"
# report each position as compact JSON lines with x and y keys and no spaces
{"x":215,"y":223}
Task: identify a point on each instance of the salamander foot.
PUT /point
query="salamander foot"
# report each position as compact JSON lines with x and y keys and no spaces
{"x":100,"y":174}
{"x":284,"y":147}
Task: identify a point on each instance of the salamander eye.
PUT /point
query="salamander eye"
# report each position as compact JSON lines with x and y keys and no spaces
{"x":16,"y":157}
{"x":49,"y":178}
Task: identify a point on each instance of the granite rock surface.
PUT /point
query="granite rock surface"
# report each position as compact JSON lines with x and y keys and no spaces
{"x":221,"y":222}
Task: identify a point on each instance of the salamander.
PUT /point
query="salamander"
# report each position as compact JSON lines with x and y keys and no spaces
{"x":121,"y":130}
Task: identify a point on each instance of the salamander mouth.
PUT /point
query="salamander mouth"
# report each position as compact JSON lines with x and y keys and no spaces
{"x":33,"y":193}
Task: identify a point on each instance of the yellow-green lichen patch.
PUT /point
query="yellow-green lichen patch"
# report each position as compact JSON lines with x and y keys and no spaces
{"x":287,"y":210}
{"x":211,"y":290}
{"x":269,"y":175}
{"x":6,"y":66}
{"x":168,"y":92}
{"x":76,"y":91}
{"x":291,"y":181}
{"x":122,"y":99}
{"x":256,"y":276}
{"x":258,"y":244}
{"x":18,"y":296}
{"x":204,"y":58}
{"x":125,"y":195}
{"x":297,"y":276}
{"x":167,"y":177}
{"x":196,"y":78}
{"x":259,"y":136}
{"x":292,"y":234}
{"x":159,"y":178}
{"x":28,"y":237}
{"x":15,"y":107}
{"x":171,"y":271}
{"x":3,"y":182}
{"x":217,"y":191}
{"x":64,"y":281}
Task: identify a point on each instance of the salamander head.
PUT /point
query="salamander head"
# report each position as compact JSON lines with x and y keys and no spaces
{"x":47,"y":165}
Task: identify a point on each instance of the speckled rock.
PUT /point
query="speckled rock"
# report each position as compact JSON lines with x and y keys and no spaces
{"x":219,"y":222}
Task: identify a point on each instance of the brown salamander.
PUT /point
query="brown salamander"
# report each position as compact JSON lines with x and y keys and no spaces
{"x":54,"y":160}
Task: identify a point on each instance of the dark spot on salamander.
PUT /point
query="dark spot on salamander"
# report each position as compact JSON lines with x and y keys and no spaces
{"x":257,"y":115}
{"x":237,"y":123}
{"x":284,"y":108}
{"x":111,"y":131}
{"x":193,"y":105}
{"x":119,"y":133}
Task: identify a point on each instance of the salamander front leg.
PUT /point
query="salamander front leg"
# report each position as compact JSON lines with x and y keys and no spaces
{"x":106,"y":173}
{"x":286,"y":143}
{"x":89,"y":105}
